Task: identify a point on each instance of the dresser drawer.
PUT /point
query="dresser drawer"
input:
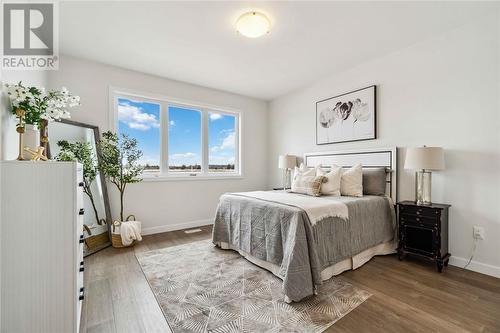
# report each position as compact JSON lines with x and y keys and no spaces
{"x":419,"y":211}
{"x":419,"y":220}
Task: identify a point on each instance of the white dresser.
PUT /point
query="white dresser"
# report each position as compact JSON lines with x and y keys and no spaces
{"x":41,"y":246}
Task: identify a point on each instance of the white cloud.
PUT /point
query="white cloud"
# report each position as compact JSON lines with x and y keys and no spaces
{"x":215,"y":116}
{"x":218,"y":159}
{"x":227,"y":143}
{"x":151,"y":160}
{"x":135,"y":118}
{"x":184,"y":158}
{"x":139,"y":126}
{"x":183,"y":155}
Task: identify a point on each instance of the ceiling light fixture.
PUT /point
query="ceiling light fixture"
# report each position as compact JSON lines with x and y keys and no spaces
{"x":253,"y":24}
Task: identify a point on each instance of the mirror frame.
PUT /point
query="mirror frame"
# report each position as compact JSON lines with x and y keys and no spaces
{"x":107,"y":208}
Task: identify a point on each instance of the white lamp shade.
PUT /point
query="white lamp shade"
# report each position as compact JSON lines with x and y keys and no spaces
{"x":287,"y":161}
{"x":430,"y":158}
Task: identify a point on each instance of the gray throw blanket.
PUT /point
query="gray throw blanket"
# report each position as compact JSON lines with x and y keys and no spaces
{"x":282,"y":235}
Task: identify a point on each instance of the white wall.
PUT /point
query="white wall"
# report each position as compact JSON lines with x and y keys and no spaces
{"x":9,"y":139}
{"x":168,"y":205}
{"x":439,"y":92}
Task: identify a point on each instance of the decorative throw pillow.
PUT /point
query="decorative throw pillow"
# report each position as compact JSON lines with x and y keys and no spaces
{"x":374,"y":181}
{"x":310,"y":185}
{"x":351,"y":183}
{"x":332,"y":185}
{"x":303,"y":170}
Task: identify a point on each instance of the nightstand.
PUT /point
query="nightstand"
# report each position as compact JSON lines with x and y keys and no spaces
{"x":423,"y":231}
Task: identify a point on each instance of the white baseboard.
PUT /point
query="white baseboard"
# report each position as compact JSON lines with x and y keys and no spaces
{"x":177,"y":226}
{"x":476,"y":266}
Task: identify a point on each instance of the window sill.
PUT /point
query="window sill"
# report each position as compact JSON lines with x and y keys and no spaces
{"x":177,"y":178}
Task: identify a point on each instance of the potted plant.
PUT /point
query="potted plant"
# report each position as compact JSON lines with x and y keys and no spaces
{"x":119,"y":163}
{"x":35,"y":108}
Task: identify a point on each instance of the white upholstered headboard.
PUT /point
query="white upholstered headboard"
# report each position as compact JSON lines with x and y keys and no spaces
{"x":369,"y":158}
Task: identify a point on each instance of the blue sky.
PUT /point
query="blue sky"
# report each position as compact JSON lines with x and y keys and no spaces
{"x":141,"y":120}
{"x":221,"y":138}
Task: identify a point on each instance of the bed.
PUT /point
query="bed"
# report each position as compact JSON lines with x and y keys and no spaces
{"x":305,"y":240}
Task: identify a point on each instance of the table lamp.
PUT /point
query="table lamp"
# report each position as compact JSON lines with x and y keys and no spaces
{"x":286,"y":163}
{"x":423,"y":159}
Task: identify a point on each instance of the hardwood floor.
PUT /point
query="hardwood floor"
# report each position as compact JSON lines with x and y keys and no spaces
{"x":408,"y":296}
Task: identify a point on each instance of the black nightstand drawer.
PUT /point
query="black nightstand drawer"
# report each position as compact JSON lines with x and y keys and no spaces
{"x":420,"y":211}
{"x":419,"y":220}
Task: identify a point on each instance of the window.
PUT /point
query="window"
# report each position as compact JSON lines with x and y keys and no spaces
{"x":221,"y":142}
{"x":184,"y":140}
{"x":180,"y":139}
{"x":141,"y":120}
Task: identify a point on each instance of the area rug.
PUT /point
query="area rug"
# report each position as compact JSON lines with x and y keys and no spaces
{"x":201,"y":288}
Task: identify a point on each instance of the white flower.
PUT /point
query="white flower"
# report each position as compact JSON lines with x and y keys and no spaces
{"x":360,"y":111}
{"x":54,"y":103}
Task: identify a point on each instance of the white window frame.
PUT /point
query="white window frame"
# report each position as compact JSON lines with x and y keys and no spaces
{"x":164,"y":101}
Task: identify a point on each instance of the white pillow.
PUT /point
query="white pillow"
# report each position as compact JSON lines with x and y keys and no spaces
{"x":351,"y":183}
{"x":299,"y":173}
{"x":310,"y":185}
{"x":303,"y":170}
{"x":332,"y":185}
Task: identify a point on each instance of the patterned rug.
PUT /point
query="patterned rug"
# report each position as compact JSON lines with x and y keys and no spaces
{"x":201,"y":288}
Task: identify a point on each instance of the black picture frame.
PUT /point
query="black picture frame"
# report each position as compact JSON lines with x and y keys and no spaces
{"x":373,"y":137}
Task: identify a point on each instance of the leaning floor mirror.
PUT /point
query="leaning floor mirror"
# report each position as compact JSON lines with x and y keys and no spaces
{"x":70,"y":140}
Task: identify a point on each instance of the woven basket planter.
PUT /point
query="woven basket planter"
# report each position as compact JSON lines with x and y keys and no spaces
{"x":95,"y":241}
{"x":116,"y":238}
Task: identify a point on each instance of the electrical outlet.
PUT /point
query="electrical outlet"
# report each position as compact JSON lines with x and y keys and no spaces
{"x":478,"y":232}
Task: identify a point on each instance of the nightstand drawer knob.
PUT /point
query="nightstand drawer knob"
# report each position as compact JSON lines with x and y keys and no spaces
{"x":418,"y":212}
{"x":418,"y":219}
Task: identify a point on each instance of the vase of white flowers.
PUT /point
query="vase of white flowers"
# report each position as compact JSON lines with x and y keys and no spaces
{"x":40,"y":108}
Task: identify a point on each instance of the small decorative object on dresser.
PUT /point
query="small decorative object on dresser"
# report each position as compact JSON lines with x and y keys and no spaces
{"x":424,"y":159}
{"x":286,"y":163}
{"x":36,"y":155}
{"x":423,"y":230}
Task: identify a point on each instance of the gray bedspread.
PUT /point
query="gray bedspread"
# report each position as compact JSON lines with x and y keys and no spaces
{"x":283,"y":235}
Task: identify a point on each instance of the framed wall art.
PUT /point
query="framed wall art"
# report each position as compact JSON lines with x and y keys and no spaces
{"x":347,"y":117}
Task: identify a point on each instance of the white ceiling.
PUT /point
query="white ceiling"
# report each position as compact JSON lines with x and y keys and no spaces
{"x":196,"y":42}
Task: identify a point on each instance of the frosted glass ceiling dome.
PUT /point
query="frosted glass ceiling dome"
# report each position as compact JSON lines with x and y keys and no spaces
{"x":253,"y":24}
